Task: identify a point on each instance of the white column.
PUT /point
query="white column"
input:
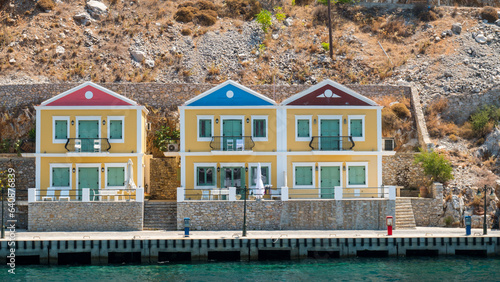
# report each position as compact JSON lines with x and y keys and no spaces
{"x":180,"y":194}
{"x":338,"y":193}
{"x":392,"y":192}
{"x":139,"y":194}
{"x":31,"y":195}
{"x":232,"y":193}
{"x":284,"y":193}
{"x":85,"y":195}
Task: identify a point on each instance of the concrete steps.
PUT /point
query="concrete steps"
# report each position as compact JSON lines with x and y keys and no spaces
{"x":404,"y":214}
{"x":160,"y":215}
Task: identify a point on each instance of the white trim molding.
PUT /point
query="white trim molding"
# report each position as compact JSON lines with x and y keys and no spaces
{"x":204,"y":117}
{"x":303,"y":139}
{"x":108,"y":128}
{"x":266,"y":127}
{"x":362,"y":118}
{"x":54,"y":119}
{"x":348,"y":164}
{"x":308,"y":164}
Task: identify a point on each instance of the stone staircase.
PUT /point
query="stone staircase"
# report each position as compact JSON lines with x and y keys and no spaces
{"x":160,"y":215}
{"x":404,"y":214}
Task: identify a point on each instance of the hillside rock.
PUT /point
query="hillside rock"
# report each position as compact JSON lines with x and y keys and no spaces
{"x":491,"y":146}
{"x":82,"y":18}
{"x":456,"y":28}
{"x":138,"y":56}
{"x":96,"y":9}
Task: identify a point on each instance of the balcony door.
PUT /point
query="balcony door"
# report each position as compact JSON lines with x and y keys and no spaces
{"x":232,"y":177}
{"x":232,"y":131}
{"x":330,"y":178}
{"x":328,"y":129}
{"x":88,"y":131}
{"x":88,"y":177}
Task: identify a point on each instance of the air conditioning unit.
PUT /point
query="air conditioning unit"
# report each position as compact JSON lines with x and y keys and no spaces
{"x":173,"y":147}
{"x":148,"y":126}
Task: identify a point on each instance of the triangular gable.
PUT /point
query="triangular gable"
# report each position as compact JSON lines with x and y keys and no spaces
{"x":89,"y":94}
{"x":328,"y":93}
{"x":230,"y":93}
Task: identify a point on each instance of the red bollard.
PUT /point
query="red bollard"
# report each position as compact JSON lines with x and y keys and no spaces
{"x":388,"y":222}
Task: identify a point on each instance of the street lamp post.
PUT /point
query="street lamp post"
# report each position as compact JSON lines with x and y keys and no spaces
{"x":485,"y":225}
{"x":244,"y":211}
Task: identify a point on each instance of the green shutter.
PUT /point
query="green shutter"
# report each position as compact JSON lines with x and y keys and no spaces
{"x":205,"y":128}
{"x":357,"y":128}
{"x":115,"y":129}
{"x":259,"y":128}
{"x":116,"y":176}
{"x":60,"y":177}
{"x":303,"y":175}
{"x":303,"y":128}
{"x":357,"y":175}
{"x":61,"y":130}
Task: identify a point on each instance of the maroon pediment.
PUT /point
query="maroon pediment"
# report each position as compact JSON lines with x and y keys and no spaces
{"x":89,"y":96}
{"x":328,"y":95}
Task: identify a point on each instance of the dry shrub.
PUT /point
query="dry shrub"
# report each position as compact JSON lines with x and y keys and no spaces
{"x":428,"y":16}
{"x":466,"y":131}
{"x":186,"y":31}
{"x":390,"y":120}
{"x":205,"y":17}
{"x":303,"y":2}
{"x":242,"y":8}
{"x":396,"y":28}
{"x":453,"y":138}
{"x":185,"y":14}
{"x":46,"y":4}
{"x":422,"y":12}
{"x":489,"y":13}
{"x":320,"y":14}
{"x":437,"y":106}
{"x":401,"y":110}
{"x":205,"y":5}
{"x":436,"y":126}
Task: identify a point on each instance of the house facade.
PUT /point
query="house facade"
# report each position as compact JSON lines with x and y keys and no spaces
{"x":89,"y":138}
{"x":322,"y":143}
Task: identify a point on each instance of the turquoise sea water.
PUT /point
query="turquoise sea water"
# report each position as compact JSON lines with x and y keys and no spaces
{"x":355,"y":269}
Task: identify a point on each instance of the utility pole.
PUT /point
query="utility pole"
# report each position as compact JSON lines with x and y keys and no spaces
{"x":330,"y":29}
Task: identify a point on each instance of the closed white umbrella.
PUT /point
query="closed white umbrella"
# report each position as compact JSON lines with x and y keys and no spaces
{"x":259,"y":184}
{"x":130,"y":184}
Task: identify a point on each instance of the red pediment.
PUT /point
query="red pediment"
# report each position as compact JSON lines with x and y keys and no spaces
{"x":89,"y":95}
{"x":328,"y":95}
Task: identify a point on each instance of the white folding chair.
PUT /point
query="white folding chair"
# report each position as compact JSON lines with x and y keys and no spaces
{"x":78,"y":145}
{"x":205,"y":195}
{"x":64,"y":196}
{"x":230,"y":145}
{"x":239,"y":145}
{"x":97,"y":145}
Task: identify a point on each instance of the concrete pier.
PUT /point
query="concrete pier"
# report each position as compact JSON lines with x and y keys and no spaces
{"x":151,"y":247}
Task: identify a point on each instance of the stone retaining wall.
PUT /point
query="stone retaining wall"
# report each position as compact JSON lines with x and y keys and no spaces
{"x":429,"y":211}
{"x":164,"y":179}
{"x":287,"y":215}
{"x":79,"y":216}
{"x":167,"y":95}
{"x":401,"y":171}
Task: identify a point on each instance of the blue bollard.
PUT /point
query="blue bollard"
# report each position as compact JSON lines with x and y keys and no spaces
{"x":468,"y":223}
{"x":186,"y":226}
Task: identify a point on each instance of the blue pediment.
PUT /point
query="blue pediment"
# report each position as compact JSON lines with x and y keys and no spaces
{"x":230,"y":93}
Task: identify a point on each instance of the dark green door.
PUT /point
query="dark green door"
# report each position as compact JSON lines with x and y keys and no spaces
{"x":88,"y":130}
{"x":231,"y":132}
{"x":330,"y":178}
{"x":330,"y":132}
{"x":88,"y":177}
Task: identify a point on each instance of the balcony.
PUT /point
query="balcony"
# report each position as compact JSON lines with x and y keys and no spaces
{"x":87,"y":145}
{"x":331,"y":143}
{"x":232,"y":143}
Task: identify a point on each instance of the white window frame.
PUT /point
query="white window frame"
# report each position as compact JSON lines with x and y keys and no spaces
{"x":362,"y":118}
{"x":60,"y":141}
{"x":250,"y":165}
{"x":70,"y":166}
{"x":108,"y":165}
{"x":120,"y":118}
{"x":204,"y":139}
{"x":267,"y":128}
{"x":348,"y":164}
{"x":79,"y":118}
{"x":301,"y":139}
{"x":313,"y":166}
{"x":195,"y":178}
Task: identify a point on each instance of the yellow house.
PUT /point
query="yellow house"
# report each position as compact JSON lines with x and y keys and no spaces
{"x":89,"y":137}
{"x":322,"y":143}
{"x":225,"y":133}
{"x":333,"y":142}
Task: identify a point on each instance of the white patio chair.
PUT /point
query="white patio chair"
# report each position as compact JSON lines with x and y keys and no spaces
{"x":205,"y":195}
{"x":64,"y":196}
{"x":239,"y":145}
{"x":78,"y":145}
{"x":49,"y":196}
{"x":97,"y":145}
{"x":224,"y":192}
{"x":230,"y":145}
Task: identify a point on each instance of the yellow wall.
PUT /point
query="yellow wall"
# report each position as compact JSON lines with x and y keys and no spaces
{"x":130,"y":125}
{"x":370,"y":143}
{"x":47,"y":161}
{"x":191,"y":127}
{"x":372,"y":172}
{"x":220,"y":160}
